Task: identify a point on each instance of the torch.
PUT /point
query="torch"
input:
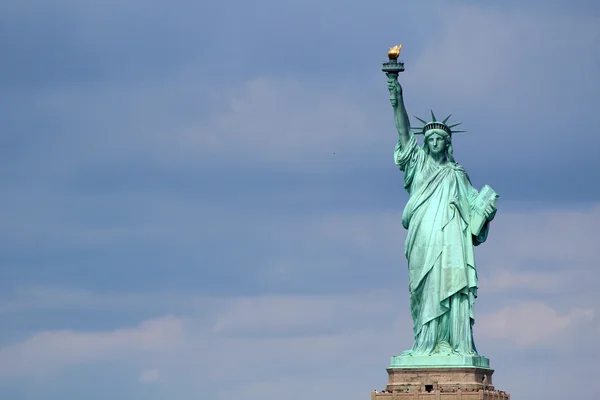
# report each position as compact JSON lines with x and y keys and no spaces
{"x":392,"y":68}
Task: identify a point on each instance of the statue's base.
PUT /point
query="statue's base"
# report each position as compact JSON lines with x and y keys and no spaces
{"x":440,"y":382}
{"x":450,"y":360}
{"x":442,"y":395}
{"x":434,"y":378}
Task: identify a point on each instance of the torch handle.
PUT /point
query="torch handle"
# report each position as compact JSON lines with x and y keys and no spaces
{"x":393,"y":94}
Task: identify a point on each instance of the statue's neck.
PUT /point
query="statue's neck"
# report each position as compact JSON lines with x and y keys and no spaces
{"x":439,"y":158}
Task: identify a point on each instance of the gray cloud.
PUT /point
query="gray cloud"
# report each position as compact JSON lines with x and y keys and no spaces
{"x":267,"y":332}
{"x":183,"y":147}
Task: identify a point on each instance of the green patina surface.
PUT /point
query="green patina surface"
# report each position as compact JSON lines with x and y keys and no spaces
{"x":445,"y":218}
{"x":439,"y":361}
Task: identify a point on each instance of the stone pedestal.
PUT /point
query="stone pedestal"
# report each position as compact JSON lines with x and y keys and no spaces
{"x":423,"y":379}
{"x":440,"y":383}
{"x":442,"y":395}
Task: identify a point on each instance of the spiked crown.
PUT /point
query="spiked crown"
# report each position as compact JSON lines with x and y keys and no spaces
{"x":435,"y":124}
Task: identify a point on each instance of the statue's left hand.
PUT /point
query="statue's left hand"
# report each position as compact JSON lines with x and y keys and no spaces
{"x":490,"y":212}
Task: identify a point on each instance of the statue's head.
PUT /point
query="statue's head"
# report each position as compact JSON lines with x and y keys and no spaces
{"x":438,"y":141}
{"x":438,"y":136}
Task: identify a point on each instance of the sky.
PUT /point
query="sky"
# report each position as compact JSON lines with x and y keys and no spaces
{"x":200,"y":200}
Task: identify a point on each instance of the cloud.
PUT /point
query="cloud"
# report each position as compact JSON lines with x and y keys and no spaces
{"x":317,"y":252}
{"x":300,"y":315}
{"x":180,"y":117}
{"x":565,"y":234}
{"x":333,"y":385}
{"x":263,"y":331}
{"x":285,"y":119}
{"x":181,"y":163}
{"x":535,"y":252}
{"x":336,"y":335}
{"x":149,"y":376}
{"x":503,"y":281}
{"x":51,"y":351}
{"x":52,"y":298}
{"x":519,"y":79}
{"x":534,"y":324}
{"x":502,"y":54}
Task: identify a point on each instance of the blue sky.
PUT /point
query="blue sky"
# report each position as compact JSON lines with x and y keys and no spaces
{"x":200,"y":199}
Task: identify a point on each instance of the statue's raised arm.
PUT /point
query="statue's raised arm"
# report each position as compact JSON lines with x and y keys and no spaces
{"x":400,"y":115}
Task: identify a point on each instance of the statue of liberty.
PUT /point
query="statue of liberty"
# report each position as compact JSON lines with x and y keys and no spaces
{"x":445,"y":217}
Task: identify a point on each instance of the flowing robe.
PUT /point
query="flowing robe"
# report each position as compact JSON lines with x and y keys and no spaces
{"x":439,"y":250}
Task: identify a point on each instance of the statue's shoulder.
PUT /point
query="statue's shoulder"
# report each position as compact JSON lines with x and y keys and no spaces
{"x":457,"y":167}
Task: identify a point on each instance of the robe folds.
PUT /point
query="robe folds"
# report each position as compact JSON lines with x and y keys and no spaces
{"x":439,"y":250}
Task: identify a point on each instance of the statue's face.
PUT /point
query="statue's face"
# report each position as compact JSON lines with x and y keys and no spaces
{"x":436,"y":143}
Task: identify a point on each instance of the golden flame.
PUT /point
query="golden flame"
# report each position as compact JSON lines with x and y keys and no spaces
{"x":394,"y":52}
